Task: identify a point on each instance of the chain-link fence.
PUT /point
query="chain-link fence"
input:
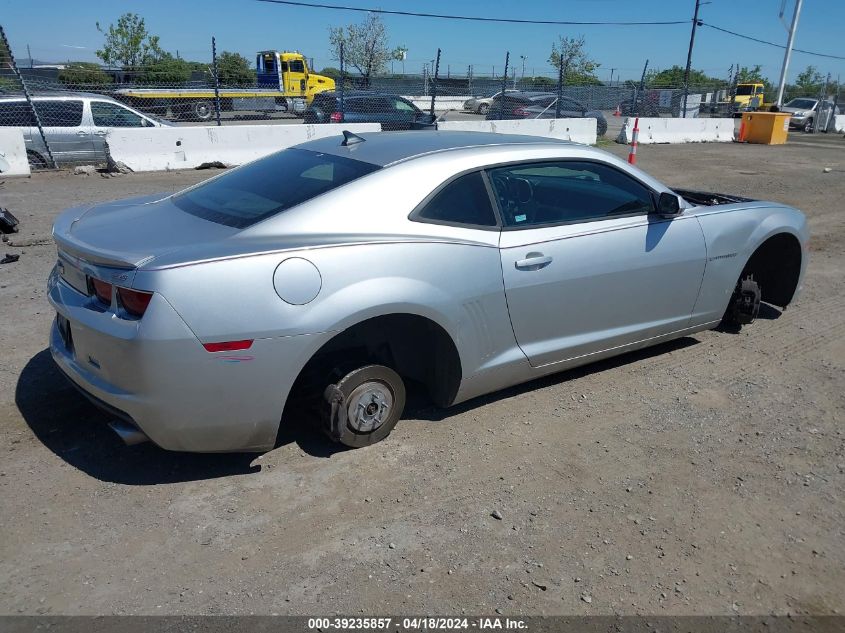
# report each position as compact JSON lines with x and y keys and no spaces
{"x":66,"y":115}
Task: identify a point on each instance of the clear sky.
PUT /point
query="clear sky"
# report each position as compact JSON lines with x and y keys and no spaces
{"x":61,"y":31}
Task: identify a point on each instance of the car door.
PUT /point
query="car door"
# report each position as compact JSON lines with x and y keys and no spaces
{"x":108,"y":114}
{"x":409,"y":116}
{"x":587,"y":264}
{"x":69,"y":138}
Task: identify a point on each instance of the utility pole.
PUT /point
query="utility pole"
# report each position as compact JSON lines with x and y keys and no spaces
{"x":689,"y":54}
{"x":611,"y":76}
{"x":788,"y":54}
{"x":29,"y":54}
{"x":523,"y":58}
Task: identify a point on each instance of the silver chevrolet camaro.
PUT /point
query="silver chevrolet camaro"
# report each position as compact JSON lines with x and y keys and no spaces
{"x":331,"y":277}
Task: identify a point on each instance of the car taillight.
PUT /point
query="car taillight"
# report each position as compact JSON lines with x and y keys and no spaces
{"x":228,"y":346}
{"x":135,"y":302}
{"x":102,"y":290}
{"x":336,"y":117}
{"x":520,"y":112}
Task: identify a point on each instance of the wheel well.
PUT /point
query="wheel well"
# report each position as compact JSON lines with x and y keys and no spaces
{"x":416,"y":347}
{"x":776,"y":266}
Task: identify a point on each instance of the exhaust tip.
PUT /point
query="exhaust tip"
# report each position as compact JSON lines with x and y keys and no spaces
{"x":129,"y":433}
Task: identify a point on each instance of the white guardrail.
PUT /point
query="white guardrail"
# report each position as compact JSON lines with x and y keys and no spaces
{"x":13,"y":161}
{"x":664,"y":130}
{"x":171,"y":148}
{"x":576,"y":130}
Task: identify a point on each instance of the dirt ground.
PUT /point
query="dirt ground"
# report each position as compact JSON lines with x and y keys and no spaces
{"x":705,"y":476}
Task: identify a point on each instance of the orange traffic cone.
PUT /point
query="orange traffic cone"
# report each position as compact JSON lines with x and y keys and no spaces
{"x":617,"y":112}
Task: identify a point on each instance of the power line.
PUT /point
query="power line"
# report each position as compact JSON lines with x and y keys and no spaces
{"x":759,"y":41}
{"x":471,"y":18}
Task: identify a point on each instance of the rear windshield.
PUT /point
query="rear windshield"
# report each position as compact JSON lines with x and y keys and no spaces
{"x":268,"y":186}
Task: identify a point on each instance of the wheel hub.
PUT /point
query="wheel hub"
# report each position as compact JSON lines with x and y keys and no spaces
{"x":368,"y":406}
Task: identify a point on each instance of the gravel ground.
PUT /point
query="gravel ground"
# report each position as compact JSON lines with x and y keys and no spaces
{"x":704,"y":476}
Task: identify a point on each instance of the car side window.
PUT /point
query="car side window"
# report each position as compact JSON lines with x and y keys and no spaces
{"x":402,"y":105}
{"x":463,"y":201}
{"x":560,"y":192}
{"x":16,"y":114}
{"x":60,"y":113}
{"x":114,"y":115}
{"x":297,"y":66}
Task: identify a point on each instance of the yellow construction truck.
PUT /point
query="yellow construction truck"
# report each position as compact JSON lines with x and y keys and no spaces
{"x":283,"y":82}
{"x":749,"y":97}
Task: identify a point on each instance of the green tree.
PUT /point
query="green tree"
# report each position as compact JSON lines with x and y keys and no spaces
{"x":76,"y":73}
{"x":674,"y":78}
{"x":169,"y":70}
{"x":808,"y":83}
{"x":365,"y":46}
{"x":234,"y":69}
{"x":128,"y":43}
{"x":578,"y":66}
{"x":331,"y":71}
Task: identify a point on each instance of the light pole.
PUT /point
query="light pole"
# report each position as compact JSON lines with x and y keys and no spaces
{"x":788,"y":53}
{"x":695,"y":25}
{"x":523,"y":58}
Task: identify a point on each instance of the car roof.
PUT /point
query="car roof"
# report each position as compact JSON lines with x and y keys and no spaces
{"x":386,"y":149}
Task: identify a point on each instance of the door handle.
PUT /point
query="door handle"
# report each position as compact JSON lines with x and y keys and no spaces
{"x":82,"y":133}
{"x":101,"y":132}
{"x":533,"y":261}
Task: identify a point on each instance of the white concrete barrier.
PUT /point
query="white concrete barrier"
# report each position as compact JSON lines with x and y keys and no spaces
{"x":577,"y":130}
{"x":440,"y":103}
{"x":839,"y":122}
{"x":13,"y":161}
{"x":167,"y":148}
{"x":664,"y":130}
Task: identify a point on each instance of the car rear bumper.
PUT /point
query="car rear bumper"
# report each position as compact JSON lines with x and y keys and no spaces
{"x":157,"y":375}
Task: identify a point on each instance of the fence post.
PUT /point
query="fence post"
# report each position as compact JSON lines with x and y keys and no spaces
{"x":733,"y":86}
{"x":561,"y":75}
{"x":216,"y":79}
{"x":638,"y":91}
{"x":504,"y":85}
{"x":434,"y":83}
{"x":28,"y":96}
{"x":342,"y":82}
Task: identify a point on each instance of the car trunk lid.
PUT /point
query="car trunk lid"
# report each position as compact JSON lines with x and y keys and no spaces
{"x":130,"y":233}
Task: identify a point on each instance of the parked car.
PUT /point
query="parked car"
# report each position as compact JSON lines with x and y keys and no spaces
{"x":329,"y":278}
{"x":481,"y":105}
{"x":804,"y":111}
{"x":542,"y":105}
{"x":75,"y":124}
{"x":646,"y":107}
{"x":394,"y":113}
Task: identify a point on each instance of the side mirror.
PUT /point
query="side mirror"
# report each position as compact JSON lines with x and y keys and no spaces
{"x":668,"y":205}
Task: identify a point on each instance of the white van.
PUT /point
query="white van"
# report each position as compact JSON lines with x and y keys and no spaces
{"x":75,"y":124}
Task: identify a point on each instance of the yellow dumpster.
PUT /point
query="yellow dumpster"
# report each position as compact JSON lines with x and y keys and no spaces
{"x":768,"y":128}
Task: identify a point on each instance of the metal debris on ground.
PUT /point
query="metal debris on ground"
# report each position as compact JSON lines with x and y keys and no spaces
{"x":8,"y":222}
{"x":9,"y":259}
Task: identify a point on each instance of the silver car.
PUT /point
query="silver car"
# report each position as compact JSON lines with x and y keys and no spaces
{"x":75,"y":124}
{"x":481,"y":105}
{"x":332,"y":277}
{"x":805,"y":111}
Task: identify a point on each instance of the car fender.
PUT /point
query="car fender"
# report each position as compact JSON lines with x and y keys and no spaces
{"x":732,"y":234}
